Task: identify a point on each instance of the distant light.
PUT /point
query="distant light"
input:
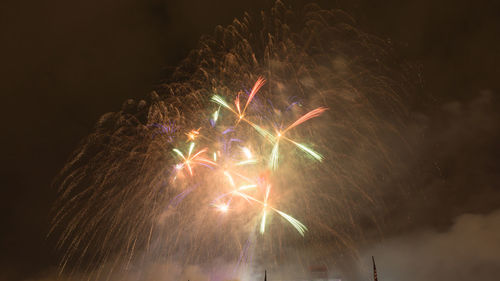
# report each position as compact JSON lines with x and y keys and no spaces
{"x":247,"y":152}
{"x":223,"y":208}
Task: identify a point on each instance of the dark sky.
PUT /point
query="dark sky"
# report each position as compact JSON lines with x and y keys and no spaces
{"x":65,"y":63}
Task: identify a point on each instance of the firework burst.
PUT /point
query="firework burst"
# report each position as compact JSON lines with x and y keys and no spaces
{"x":119,"y":205}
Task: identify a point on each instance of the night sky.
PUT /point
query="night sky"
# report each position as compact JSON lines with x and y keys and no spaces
{"x":65,"y":63}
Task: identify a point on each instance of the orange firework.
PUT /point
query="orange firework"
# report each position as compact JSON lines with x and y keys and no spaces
{"x":193,"y":134}
{"x":258,"y":84}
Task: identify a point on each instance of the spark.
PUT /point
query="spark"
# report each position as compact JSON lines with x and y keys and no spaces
{"x":247,"y":152}
{"x":193,"y":134}
{"x":229,"y":178}
{"x":309,"y":151}
{"x":311,"y":114}
{"x":192,"y":160}
{"x":238,"y":112}
{"x":273,"y":161}
{"x":215,"y":116}
{"x":274,"y":158}
{"x":263,"y":222}
{"x":264,"y":210}
{"x":220,"y":101}
{"x":248,"y":186}
{"x":300,"y":227}
{"x":246,"y":162}
{"x":258,"y":84}
{"x":222,"y":207}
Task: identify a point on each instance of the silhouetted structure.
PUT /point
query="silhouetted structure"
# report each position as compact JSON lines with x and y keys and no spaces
{"x":374,"y":270}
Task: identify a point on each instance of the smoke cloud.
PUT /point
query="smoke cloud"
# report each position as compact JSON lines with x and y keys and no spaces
{"x":468,"y":250}
{"x":151,"y":272}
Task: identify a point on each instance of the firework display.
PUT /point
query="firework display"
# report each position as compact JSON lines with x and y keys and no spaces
{"x":223,"y":202}
{"x":269,"y":143}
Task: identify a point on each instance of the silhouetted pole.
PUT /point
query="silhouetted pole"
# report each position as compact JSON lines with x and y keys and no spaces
{"x":265,"y":275}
